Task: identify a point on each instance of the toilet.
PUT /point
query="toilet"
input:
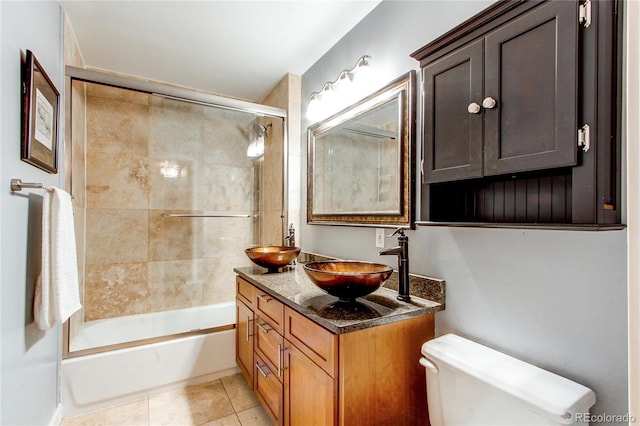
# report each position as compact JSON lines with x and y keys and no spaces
{"x":471,"y":384}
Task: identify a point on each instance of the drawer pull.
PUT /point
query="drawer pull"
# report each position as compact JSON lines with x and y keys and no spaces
{"x":263,"y":327}
{"x":261,"y":370}
{"x":265,"y":298}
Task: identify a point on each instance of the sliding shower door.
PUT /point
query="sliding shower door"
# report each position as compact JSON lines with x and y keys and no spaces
{"x":166,"y":200}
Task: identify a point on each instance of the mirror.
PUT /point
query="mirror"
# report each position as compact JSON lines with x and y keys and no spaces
{"x":361,"y":161}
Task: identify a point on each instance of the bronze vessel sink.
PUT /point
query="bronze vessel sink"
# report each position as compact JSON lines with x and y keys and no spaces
{"x":347,"y":279}
{"x":272,"y":257}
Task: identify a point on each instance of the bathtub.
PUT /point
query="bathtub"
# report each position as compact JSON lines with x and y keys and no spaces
{"x":94,"y":381}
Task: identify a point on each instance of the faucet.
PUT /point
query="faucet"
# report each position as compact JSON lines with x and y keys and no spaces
{"x":290,"y":239}
{"x":402,"y":251}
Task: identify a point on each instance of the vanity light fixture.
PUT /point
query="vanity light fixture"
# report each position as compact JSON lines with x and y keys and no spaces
{"x":339,"y":93}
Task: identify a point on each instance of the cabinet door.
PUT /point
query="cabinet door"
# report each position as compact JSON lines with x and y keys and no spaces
{"x":310,"y":394}
{"x":452,"y":134}
{"x":244,"y":340}
{"x":531,"y":70}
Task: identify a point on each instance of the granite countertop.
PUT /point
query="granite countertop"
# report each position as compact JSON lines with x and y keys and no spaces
{"x":292,"y":287}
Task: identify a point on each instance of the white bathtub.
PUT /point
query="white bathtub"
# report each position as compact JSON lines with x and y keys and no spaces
{"x":95,"y":381}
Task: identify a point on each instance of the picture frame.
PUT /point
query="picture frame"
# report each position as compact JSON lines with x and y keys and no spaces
{"x":40,"y":116}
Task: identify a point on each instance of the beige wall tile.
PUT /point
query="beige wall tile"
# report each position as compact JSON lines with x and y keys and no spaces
{"x":79,"y":139}
{"x":226,"y":188}
{"x":175,"y":285}
{"x":225,"y":137}
{"x":117,"y":181}
{"x":115,"y":236}
{"x":225,"y":236}
{"x":117,"y":127}
{"x":194,"y":405}
{"x":174,"y":238}
{"x":118,"y":94}
{"x":179,"y":193}
{"x":114,"y":290}
{"x":218,"y":285}
{"x":176,"y":132}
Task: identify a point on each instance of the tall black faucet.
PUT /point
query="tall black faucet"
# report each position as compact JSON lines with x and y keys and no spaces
{"x":402,"y":251}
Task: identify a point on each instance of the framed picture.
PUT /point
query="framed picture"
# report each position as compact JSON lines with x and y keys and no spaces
{"x":40,"y":117}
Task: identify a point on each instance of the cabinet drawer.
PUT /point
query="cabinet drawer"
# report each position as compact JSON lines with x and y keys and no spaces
{"x":269,"y":345}
{"x":270,"y":309}
{"x":320,"y":345}
{"x":269,"y":391}
{"x":246,"y":292}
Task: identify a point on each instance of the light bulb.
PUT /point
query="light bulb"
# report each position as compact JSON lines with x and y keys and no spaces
{"x":314,"y":108}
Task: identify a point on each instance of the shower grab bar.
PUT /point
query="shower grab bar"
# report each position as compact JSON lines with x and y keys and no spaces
{"x":18,"y":185}
{"x":202,"y":215}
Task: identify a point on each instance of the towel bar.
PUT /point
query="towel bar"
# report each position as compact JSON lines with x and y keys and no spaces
{"x":202,"y":215}
{"x":18,"y":185}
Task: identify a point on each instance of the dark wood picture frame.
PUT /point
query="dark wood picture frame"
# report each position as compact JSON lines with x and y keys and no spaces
{"x":40,"y":116}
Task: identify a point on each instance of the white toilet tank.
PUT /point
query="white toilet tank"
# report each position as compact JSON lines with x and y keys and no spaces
{"x":471,"y":384}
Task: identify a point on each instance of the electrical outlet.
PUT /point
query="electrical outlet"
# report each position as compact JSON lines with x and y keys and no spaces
{"x":380,"y":237}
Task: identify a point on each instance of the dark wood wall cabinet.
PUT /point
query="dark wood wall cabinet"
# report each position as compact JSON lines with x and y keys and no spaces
{"x":521,"y":117}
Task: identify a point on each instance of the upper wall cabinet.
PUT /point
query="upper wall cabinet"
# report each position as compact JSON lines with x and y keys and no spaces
{"x":506,"y":96}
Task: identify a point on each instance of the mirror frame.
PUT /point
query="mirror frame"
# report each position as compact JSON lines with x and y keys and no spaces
{"x":405,"y":88}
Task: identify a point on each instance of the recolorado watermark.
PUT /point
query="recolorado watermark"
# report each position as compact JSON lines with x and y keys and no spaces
{"x":605,"y":418}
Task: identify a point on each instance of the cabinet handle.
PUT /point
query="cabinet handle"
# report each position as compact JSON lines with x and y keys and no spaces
{"x":264,"y":298}
{"x":473,"y":108}
{"x":261,"y":370}
{"x":263,"y":327}
{"x":489,"y":102}
{"x":279,"y":360}
{"x":248,"y":324}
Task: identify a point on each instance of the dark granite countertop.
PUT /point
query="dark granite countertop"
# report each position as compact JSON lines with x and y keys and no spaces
{"x":292,"y":287}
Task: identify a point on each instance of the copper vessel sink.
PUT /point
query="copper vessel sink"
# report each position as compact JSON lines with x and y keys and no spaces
{"x":347,"y":279}
{"x":272,"y":257}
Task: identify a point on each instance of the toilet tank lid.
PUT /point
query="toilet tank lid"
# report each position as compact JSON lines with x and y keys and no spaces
{"x":557,"y":397}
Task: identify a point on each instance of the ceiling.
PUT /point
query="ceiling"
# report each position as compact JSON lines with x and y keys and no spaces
{"x":240,"y":49}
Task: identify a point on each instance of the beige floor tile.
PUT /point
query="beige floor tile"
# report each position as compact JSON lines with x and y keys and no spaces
{"x":255,"y":416}
{"x":231,"y":420}
{"x":134,"y":413}
{"x":194,"y":405}
{"x":241,"y":395}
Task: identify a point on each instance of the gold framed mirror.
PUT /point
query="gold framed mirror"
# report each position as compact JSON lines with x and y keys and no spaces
{"x":361,"y":161}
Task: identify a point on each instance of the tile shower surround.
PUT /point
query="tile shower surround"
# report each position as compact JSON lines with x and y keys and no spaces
{"x":137,"y":261}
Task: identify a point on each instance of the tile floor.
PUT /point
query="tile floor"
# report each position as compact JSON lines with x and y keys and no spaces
{"x":225,"y":402}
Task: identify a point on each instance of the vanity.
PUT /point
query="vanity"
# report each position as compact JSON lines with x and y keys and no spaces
{"x":312,"y":360}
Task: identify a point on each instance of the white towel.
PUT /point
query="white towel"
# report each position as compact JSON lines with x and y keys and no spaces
{"x":57,"y":295}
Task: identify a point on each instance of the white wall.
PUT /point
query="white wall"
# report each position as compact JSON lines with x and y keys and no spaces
{"x":556,"y":299}
{"x":30,"y":358}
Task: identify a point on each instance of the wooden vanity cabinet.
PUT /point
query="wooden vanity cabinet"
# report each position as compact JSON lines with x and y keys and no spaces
{"x":305,"y":375}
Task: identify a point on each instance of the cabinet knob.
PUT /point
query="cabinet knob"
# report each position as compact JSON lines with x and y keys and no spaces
{"x":473,"y":108}
{"x":489,"y":102}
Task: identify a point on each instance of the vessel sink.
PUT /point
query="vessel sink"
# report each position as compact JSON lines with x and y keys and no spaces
{"x":272,"y":257}
{"x":347,"y":279}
